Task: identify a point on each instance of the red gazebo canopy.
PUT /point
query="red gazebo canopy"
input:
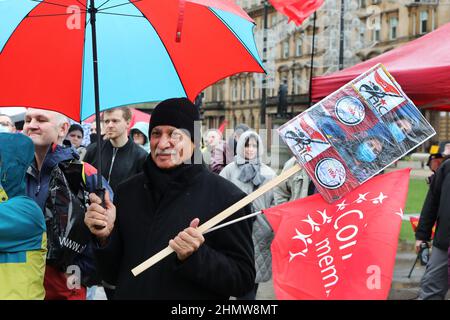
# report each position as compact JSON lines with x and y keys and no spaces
{"x":421,"y":67}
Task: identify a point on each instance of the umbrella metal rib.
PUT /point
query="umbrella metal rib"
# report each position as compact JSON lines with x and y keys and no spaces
{"x":118,"y":5}
{"x":53,"y":15}
{"x":121,"y":14}
{"x":52,"y":3}
{"x":103,"y":4}
{"x":82,"y":4}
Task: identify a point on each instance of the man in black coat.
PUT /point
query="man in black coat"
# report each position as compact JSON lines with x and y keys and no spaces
{"x":436,"y":209}
{"x":163,"y":206}
{"x":121,"y":157}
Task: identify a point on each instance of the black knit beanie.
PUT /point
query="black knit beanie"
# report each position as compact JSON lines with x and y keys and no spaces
{"x":178,"y":112}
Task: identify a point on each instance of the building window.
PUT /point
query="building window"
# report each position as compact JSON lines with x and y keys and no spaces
{"x":218,"y":89}
{"x":298,"y":47}
{"x":285,"y":49}
{"x":433,"y":20}
{"x":252,"y":89}
{"x":243,"y":89}
{"x":274,"y":19}
{"x":423,"y":21}
{"x":376,"y":33}
{"x":393,"y":28}
{"x":234,"y":91}
{"x":297,"y":83}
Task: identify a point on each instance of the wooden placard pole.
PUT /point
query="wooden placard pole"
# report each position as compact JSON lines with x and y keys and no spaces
{"x":221,"y":216}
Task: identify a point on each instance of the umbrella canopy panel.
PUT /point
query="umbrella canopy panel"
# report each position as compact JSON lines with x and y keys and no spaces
{"x":46,"y":51}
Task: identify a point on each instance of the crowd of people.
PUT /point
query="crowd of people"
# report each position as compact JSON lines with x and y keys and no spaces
{"x":68,"y":241}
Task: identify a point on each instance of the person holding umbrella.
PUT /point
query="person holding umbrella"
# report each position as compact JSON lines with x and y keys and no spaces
{"x":164,"y":205}
{"x":47,"y":129}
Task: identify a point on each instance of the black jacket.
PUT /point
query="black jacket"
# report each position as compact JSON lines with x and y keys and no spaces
{"x":436,"y":209}
{"x":146,"y":221}
{"x":128,"y":161}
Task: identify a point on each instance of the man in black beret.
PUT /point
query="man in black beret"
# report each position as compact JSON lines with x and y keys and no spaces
{"x":163,"y":206}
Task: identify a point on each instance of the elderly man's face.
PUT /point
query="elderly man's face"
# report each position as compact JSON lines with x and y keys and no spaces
{"x":170,"y":147}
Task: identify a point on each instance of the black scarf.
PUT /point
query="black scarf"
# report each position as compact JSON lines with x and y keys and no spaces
{"x":160,"y":179}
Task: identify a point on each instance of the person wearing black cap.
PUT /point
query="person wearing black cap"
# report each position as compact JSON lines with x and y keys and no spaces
{"x":163,"y":206}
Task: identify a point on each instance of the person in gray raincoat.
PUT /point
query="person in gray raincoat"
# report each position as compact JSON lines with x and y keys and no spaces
{"x":249,"y":173}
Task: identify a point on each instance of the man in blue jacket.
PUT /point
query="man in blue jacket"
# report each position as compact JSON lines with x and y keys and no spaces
{"x":47,"y":129}
{"x":23,"y":244}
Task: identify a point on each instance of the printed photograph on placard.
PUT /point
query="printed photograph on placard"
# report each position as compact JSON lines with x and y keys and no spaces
{"x":365,"y":152}
{"x":347,"y":109}
{"x":356,"y":132}
{"x":380,"y":91}
{"x":303,"y":138}
{"x":331,"y":175}
{"x":409,"y":126}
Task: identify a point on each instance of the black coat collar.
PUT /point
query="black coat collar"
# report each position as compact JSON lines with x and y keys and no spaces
{"x":157,"y":178}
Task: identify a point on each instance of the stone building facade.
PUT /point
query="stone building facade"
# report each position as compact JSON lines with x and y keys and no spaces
{"x":371,"y":27}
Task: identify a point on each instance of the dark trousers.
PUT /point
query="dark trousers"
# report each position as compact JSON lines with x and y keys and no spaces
{"x":434,"y":283}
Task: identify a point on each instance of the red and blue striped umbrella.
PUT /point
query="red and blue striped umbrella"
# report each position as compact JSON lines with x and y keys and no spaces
{"x":79,"y":57}
{"x":147,"y":50}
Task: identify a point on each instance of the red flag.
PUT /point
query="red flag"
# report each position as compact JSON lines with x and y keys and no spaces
{"x":296,"y":10}
{"x":415,"y":222}
{"x":223,"y":126}
{"x":342,"y":250}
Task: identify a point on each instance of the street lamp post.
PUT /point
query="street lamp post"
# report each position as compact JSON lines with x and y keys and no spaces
{"x":264,"y":81}
{"x":341,"y":37}
{"x":311,"y":70}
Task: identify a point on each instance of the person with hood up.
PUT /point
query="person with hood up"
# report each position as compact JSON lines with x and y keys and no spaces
{"x":139,"y":134}
{"x":23,"y":241}
{"x":248,"y":172}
